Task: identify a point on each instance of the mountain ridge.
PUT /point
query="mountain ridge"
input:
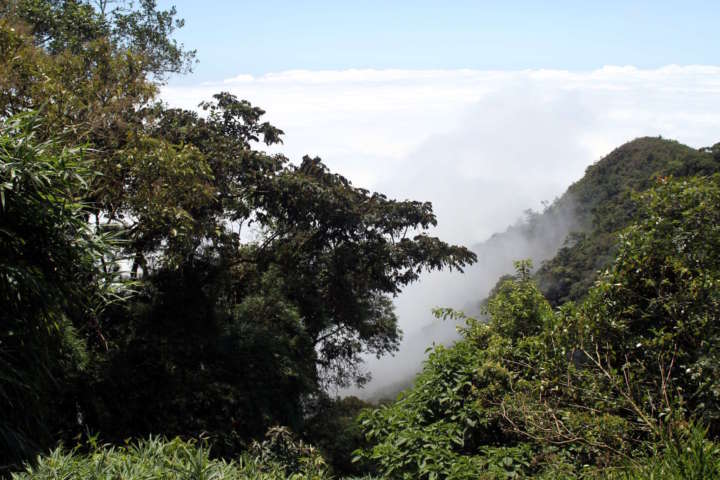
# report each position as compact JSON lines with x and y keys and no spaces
{"x":603,"y":203}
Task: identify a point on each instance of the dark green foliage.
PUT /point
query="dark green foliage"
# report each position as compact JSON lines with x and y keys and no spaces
{"x":51,"y":286}
{"x":333,"y":427}
{"x":690,"y":456}
{"x":182,"y":364}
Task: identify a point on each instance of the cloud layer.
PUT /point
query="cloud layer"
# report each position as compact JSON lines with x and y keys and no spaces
{"x":500,"y":141}
{"x":483,"y":146}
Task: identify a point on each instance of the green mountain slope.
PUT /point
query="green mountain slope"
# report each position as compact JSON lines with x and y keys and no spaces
{"x":603,"y":202}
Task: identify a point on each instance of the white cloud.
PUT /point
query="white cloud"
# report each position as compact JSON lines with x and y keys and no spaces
{"x":481,"y":145}
{"x":242,"y":78}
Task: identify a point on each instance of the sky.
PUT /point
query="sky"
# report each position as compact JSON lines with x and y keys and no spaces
{"x":485,"y":109}
{"x":268,"y":36}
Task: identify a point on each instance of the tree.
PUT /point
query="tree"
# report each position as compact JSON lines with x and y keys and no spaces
{"x":251,"y":328}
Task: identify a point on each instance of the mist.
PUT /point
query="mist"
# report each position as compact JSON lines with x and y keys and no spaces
{"x":507,"y":157}
{"x":537,"y":238}
{"x":482,"y":146}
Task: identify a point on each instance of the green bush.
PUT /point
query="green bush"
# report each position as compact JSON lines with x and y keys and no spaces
{"x":451,"y":423}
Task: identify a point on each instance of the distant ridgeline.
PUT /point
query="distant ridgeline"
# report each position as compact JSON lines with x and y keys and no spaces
{"x":602,"y":204}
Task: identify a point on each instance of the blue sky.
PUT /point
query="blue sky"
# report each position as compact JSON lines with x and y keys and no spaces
{"x":257,"y":37}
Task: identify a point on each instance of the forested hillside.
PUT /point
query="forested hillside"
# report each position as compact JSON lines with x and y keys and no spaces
{"x":600,"y":364}
{"x":603,"y":204}
{"x":620,"y":385}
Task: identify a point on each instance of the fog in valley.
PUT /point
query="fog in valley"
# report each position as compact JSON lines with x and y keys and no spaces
{"x":537,"y":240}
{"x":482,"y":177}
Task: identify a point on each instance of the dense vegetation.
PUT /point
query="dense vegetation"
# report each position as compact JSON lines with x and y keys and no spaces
{"x":171,"y":293}
{"x":279,"y":456}
{"x":586,"y":388}
{"x":159,"y":273}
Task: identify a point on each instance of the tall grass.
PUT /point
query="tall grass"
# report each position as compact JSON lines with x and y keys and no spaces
{"x":156,"y":459}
